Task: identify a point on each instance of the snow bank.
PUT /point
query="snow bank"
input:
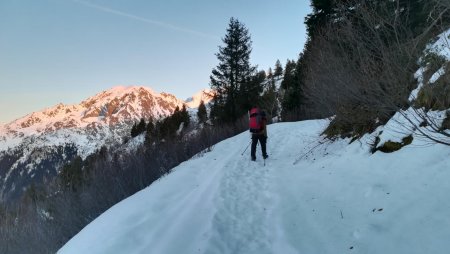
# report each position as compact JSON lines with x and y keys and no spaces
{"x":442,"y":45}
{"x":312,"y":196}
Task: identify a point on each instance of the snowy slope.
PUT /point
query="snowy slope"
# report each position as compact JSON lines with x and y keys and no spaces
{"x":205,"y":95}
{"x":311,"y":196}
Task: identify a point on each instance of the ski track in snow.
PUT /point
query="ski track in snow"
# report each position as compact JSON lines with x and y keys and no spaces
{"x":244,"y":221}
{"x":239,"y":224}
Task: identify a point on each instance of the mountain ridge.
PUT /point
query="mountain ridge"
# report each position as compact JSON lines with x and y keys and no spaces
{"x":38,"y":144}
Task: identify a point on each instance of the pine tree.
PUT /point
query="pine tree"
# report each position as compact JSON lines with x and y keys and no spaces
{"x":323,"y":10}
{"x":289,"y":75}
{"x":270,"y":74}
{"x":150,"y":128}
{"x":232,"y":73}
{"x":278,"y":69}
{"x":150,"y":132}
{"x":293,"y":96}
{"x":202,"y":114}
{"x":140,"y":128}
{"x":184,"y":117}
{"x":72,"y":173}
{"x":270,"y":98}
{"x":252,"y":90}
{"x":293,"y":89}
{"x":134,"y":132}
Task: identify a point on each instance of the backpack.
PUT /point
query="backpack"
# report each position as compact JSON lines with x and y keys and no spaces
{"x":255,"y":122}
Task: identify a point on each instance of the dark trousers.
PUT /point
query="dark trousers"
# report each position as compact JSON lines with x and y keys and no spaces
{"x":262,"y":140}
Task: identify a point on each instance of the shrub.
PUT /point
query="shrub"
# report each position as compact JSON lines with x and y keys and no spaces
{"x":436,"y":96}
{"x":446,"y":122}
{"x":432,"y":62}
{"x":354,"y":124}
{"x":391,"y":146}
{"x":407,"y":140}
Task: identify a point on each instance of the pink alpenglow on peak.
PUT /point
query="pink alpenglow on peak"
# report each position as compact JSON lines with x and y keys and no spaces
{"x":205,"y":95}
{"x":114,"y":107}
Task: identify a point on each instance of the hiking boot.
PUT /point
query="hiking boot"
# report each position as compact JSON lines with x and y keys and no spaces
{"x":253,"y":158}
{"x":265,"y":156}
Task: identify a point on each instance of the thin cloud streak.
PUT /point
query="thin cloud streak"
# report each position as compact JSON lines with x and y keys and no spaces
{"x":145,"y":20}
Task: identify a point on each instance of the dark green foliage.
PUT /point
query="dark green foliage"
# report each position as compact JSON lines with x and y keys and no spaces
{"x":34,"y":194}
{"x":293,"y":86}
{"x":72,"y":173}
{"x":252,"y":91}
{"x":350,"y":128}
{"x":390,"y":146}
{"x":184,"y":116}
{"x":407,"y":140}
{"x":168,"y":126}
{"x":232,"y":78}
{"x":269,"y":100}
{"x":141,"y":126}
{"x":134,"y":130}
{"x":289,"y":75}
{"x":150,"y":127}
{"x":138,"y":128}
{"x":270,"y":74}
{"x":202,"y":114}
{"x":150,"y":132}
{"x":323,"y":10}
{"x":414,"y":13}
{"x":418,"y":12}
{"x":278,"y":69}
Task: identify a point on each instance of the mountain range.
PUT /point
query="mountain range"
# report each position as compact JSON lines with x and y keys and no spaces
{"x":37,"y":145}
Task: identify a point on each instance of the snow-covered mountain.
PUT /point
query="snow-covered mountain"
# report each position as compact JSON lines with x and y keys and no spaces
{"x":205,"y":95}
{"x":37,"y":145}
{"x":310,"y":196}
{"x":114,"y":107}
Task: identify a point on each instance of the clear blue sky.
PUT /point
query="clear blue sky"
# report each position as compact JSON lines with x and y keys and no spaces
{"x":55,"y":51}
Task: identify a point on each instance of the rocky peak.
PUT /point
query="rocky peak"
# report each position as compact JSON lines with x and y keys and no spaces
{"x":116,"y":106}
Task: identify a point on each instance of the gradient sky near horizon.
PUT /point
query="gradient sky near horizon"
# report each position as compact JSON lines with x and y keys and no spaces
{"x":54,"y":51}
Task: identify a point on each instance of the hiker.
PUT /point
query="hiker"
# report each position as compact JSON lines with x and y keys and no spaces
{"x":258,"y":122}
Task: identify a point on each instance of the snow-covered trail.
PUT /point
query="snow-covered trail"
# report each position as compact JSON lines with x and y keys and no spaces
{"x":337,"y":198}
{"x":245,"y":202}
{"x":224,"y":200}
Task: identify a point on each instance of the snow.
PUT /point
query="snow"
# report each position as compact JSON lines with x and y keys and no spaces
{"x":437,"y":75}
{"x":129,"y":100}
{"x":133,"y":144}
{"x":312,"y":196}
{"x":419,"y":76}
{"x":398,"y":127}
{"x":102,"y":119}
{"x":442,"y":45}
{"x":203,"y":95}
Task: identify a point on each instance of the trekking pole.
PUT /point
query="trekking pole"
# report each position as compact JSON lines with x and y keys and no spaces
{"x":246,"y":148}
{"x":265,"y":157}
